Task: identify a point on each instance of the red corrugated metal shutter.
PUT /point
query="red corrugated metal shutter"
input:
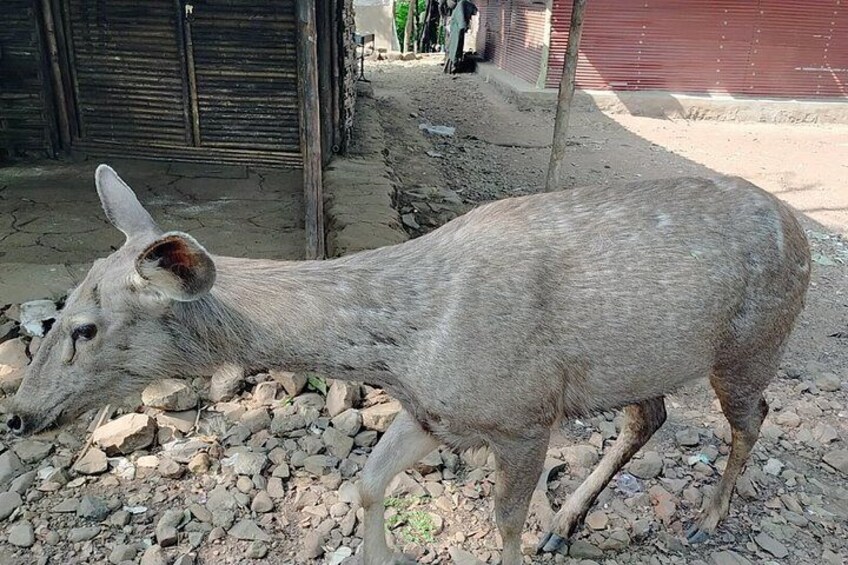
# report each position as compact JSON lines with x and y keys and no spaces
{"x":489,"y":36}
{"x":525,"y":38}
{"x":484,"y":22}
{"x":737,"y":47}
{"x":800,"y":49}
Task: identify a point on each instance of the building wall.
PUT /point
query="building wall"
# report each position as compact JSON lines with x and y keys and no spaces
{"x":350,"y":68}
{"x":774,"y":48}
{"x":378,"y":17}
{"x":511,"y":34}
{"x":148,"y":81}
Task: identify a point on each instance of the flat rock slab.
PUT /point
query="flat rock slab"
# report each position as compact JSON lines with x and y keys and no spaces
{"x":126,"y":434}
{"x":32,"y":451}
{"x":93,"y":462}
{"x":248,"y":530}
{"x":648,"y":467}
{"x":169,"y":394}
{"x":25,"y":281}
{"x":462,"y":557}
{"x":379,"y":416}
{"x":838,"y":459}
{"x":9,"y":501}
{"x":22,"y":534}
{"x":83,"y":534}
{"x":771,"y":545}
{"x":728,"y":558}
{"x":10,"y":467}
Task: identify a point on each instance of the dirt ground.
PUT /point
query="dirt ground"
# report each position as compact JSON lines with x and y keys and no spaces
{"x":265,"y":472}
{"x":498,"y":151}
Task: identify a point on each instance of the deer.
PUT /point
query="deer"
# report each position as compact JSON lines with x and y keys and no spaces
{"x":490,"y":330}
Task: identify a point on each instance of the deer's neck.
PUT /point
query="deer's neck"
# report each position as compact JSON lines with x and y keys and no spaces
{"x":339,"y":319}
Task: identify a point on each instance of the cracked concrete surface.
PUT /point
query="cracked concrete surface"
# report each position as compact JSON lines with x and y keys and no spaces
{"x":52,"y":226}
{"x":358,"y":188}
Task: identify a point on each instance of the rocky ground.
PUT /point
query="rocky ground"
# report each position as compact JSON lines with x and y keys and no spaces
{"x":262,"y":467}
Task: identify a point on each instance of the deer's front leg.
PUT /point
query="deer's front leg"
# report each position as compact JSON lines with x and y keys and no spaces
{"x":519,"y":464}
{"x":404,"y":444}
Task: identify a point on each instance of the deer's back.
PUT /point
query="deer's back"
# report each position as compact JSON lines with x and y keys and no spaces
{"x":595,"y":297}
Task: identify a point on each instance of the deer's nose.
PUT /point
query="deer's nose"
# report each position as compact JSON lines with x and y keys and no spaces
{"x":14,"y":423}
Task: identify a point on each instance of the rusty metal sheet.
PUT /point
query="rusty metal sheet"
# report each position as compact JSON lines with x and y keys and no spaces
{"x":245,"y":61}
{"x":129,"y":78}
{"x":25,"y":124}
{"x":140,"y":66}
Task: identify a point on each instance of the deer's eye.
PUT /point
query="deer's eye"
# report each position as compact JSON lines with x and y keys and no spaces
{"x":84,"y":332}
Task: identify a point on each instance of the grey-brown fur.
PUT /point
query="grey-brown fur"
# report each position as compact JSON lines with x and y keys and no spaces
{"x":489,"y":330}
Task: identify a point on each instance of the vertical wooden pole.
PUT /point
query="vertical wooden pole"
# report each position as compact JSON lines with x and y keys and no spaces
{"x":188,"y":112}
{"x":192,"y":76}
{"x":310,"y":128}
{"x":78,"y":130}
{"x":56,"y":72}
{"x":566,"y":95}
{"x":63,"y":44}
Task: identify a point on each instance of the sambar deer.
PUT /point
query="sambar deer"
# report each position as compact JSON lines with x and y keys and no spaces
{"x":490,"y":330}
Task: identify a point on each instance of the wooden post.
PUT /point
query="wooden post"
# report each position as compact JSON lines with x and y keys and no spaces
{"x":336,"y":62}
{"x":65,"y":66}
{"x":566,"y":95}
{"x":310,"y":128}
{"x":190,"y":74}
{"x":65,"y":18}
{"x":56,"y":72}
{"x":188,"y":108}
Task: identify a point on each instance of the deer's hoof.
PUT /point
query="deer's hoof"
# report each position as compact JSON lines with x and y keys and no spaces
{"x":550,"y":543}
{"x":696,"y":535}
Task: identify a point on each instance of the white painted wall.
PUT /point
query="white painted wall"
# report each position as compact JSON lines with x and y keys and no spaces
{"x":377,"y":17}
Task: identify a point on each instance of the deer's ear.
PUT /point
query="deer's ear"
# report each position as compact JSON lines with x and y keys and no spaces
{"x":121,"y":205}
{"x":177,"y":266}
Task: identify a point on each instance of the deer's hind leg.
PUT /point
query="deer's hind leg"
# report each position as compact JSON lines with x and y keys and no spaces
{"x":640,"y":422}
{"x":739,"y":387}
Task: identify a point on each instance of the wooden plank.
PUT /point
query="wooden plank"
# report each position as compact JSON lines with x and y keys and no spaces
{"x":337,"y":85}
{"x":325,"y":35}
{"x":64,"y":63}
{"x":56,"y":74}
{"x":310,"y":128}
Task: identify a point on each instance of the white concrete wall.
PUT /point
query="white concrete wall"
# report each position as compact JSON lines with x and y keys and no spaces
{"x":377,"y":17}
